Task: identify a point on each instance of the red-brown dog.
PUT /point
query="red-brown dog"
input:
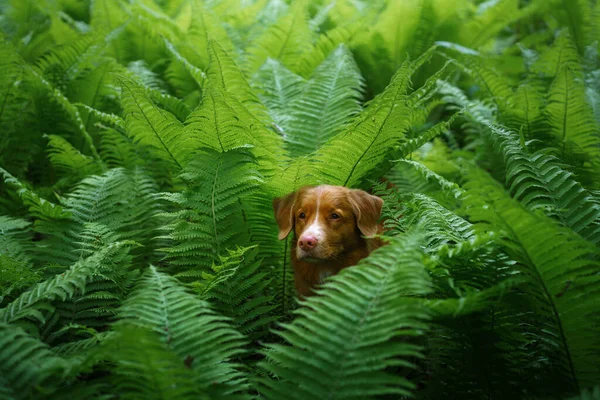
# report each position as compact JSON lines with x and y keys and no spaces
{"x":329,"y":224}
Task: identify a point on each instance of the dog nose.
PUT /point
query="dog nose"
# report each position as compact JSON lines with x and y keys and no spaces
{"x":307,"y":242}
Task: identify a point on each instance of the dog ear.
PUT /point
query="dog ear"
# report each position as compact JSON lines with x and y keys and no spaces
{"x":367,"y":209}
{"x":283,"y":208}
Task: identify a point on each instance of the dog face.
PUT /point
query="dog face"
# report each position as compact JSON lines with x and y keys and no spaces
{"x":328,"y":221}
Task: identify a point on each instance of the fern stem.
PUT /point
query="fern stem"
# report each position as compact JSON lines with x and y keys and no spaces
{"x":212,"y":198}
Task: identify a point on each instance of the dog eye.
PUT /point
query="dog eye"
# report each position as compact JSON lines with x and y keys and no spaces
{"x":302,"y":215}
{"x":335,"y":216}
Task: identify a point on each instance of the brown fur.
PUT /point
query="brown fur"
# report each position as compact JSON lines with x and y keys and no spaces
{"x":343,"y":242}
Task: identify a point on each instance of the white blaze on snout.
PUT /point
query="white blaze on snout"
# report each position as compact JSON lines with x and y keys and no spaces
{"x":316,"y":229}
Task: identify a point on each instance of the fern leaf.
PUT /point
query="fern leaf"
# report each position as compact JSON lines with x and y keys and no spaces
{"x":160,"y":304}
{"x":539,"y":182}
{"x":237,"y":290}
{"x":27,"y":366}
{"x":68,"y":159}
{"x":325,"y":45}
{"x":224,"y":73}
{"x":345,"y":355}
{"x":278,"y":89}
{"x":562,"y":54}
{"x":572,"y":123}
{"x":329,"y":100}
{"x":285,"y":41}
{"x":145,"y":369}
{"x":38,"y":207}
{"x":62,"y":286}
{"x":157,"y":129}
{"x":203,"y":226}
{"x":365,"y":144}
{"x":561,"y":269}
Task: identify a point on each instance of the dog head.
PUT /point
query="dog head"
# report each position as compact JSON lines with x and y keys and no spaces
{"x":327,"y":221}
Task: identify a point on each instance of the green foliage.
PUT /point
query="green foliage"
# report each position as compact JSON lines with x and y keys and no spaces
{"x":341,"y":344}
{"x":142,"y":143}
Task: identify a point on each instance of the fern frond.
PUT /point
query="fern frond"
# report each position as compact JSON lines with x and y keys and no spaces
{"x":539,"y":182}
{"x":576,"y":16}
{"x":285,"y":41}
{"x":14,"y":239}
{"x":62,"y":287}
{"x":63,"y":63}
{"x":371,"y":312}
{"x":175,"y":76}
{"x":574,"y":129}
{"x":154,"y":128}
{"x":38,"y":207}
{"x":325,"y":44}
{"x":146,"y":369}
{"x":561,"y":270}
{"x":237,"y":290}
{"x":27,"y":366}
{"x":224,"y":73}
{"x":68,"y":160}
{"x":562,"y":54}
{"x":328,"y":102}
{"x":365,"y":144}
{"x":278,"y":89}
{"x":203,"y":225}
{"x":189,"y":328}
{"x":222,"y":123}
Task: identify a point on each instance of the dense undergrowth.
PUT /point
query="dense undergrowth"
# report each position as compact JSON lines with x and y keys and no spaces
{"x":141,"y":144}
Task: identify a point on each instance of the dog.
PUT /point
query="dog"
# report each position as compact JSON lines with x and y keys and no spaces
{"x":332,"y":228}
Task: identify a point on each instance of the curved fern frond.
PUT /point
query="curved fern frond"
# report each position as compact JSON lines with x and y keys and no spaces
{"x":38,"y":299}
{"x":222,"y":123}
{"x":189,"y":328}
{"x":67,"y":159}
{"x":157,"y":129}
{"x":174,"y":75}
{"x":14,"y":238}
{"x":38,"y":207}
{"x":27,"y":366}
{"x":237,"y":290}
{"x":63,"y":63}
{"x":285,"y":41}
{"x":365,"y":144}
{"x":329,"y":100}
{"x":146,"y":369}
{"x":278,"y":88}
{"x":325,"y":44}
{"x":345,"y":342}
{"x":562,"y":54}
{"x":203,"y":226}
{"x":539,"y":182}
{"x":561,"y":269}
{"x":573,"y":126}
{"x":223,"y":72}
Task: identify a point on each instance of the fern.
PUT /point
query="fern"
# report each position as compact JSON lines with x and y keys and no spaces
{"x":142,"y":144}
{"x":361,"y":336}
{"x":328,"y":102}
{"x":28,"y":366}
{"x":284,"y":41}
{"x":561,"y":269}
{"x":572,"y":123}
{"x":237,"y":289}
{"x":279,"y":89}
{"x":202,"y":228}
{"x":158,"y":129}
{"x":205,"y":342}
{"x":539,"y":182}
{"x":37,"y":302}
